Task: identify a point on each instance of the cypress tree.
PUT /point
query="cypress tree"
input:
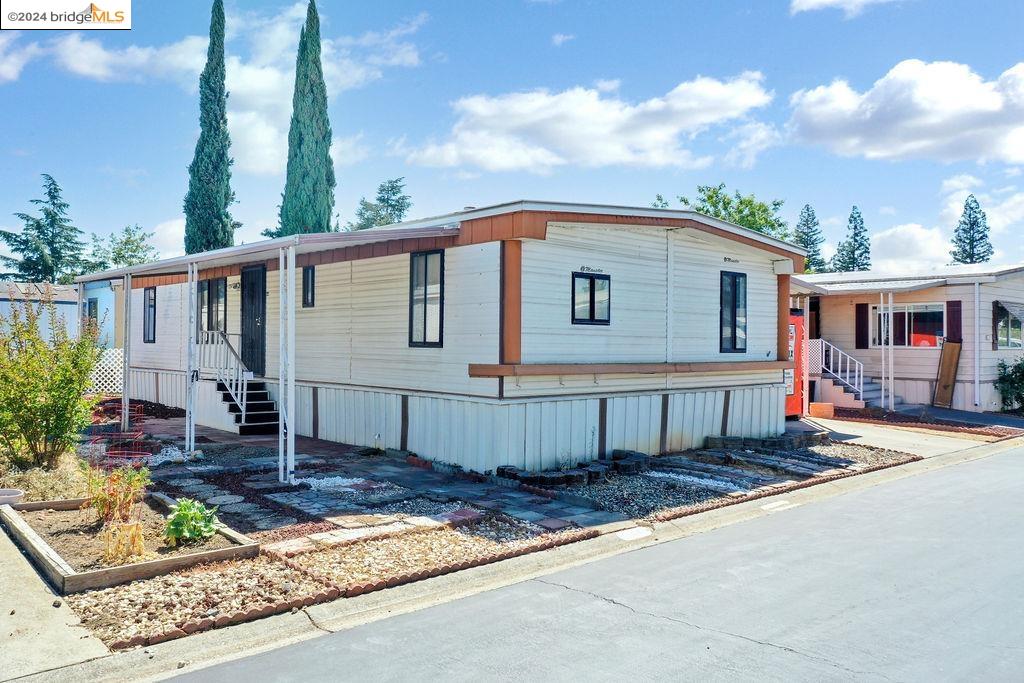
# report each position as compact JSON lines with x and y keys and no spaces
{"x":208,"y":225}
{"x":853,"y":253}
{"x":808,"y":235}
{"x":308,"y":199}
{"x":49,"y":246}
{"x":970,"y":239}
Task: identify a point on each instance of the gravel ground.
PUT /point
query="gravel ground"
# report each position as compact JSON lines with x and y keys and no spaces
{"x":416,"y":507}
{"x":153,"y":606}
{"x":639,"y":495}
{"x":865,"y":455}
{"x":384,"y":558}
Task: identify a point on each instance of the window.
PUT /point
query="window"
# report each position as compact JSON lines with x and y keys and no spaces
{"x":733,"y":313}
{"x":591,"y":299}
{"x":213,"y":305}
{"x":92,"y":308}
{"x":426,"y":298}
{"x":149,"y":315}
{"x":308,"y":286}
{"x":1008,"y":328}
{"x":913,"y":325}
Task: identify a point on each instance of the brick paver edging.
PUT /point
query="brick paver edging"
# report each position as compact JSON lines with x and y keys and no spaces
{"x":355,"y":589}
{"x":676,"y":513}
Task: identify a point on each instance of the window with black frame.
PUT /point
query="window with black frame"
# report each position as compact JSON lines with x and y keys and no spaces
{"x":426,"y":298}
{"x":591,"y":299}
{"x":213,"y":305}
{"x":93,"y":310}
{"x":733,"y":315}
{"x":308,"y":286}
{"x":149,"y":315}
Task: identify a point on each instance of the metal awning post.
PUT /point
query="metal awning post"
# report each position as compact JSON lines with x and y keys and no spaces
{"x":192,"y":374}
{"x":291,"y":364}
{"x":282,"y":360}
{"x":892,"y":349}
{"x":126,"y":307}
{"x":880,"y":320}
{"x":805,"y":355}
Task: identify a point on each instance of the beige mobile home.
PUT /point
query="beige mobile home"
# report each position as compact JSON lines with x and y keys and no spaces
{"x":980,"y":307}
{"x":529,"y":333}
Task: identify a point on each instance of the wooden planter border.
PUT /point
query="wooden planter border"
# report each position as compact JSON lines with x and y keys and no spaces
{"x":67,"y":580}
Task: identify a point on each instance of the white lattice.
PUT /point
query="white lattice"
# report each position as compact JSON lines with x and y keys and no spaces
{"x":106,"y":377}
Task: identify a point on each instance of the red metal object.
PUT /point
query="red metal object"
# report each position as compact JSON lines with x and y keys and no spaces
{"x":795,"y":377}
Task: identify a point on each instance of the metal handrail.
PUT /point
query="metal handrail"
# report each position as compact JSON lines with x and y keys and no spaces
{"x":218,"y":355}
{"x":839,"y":364}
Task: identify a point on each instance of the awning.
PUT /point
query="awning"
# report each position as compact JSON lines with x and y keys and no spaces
{"x":844,"y":288}
{"x":1015,"y":309}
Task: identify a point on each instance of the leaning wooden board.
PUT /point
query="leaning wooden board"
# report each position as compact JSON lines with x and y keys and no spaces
{"x":945,"y":377}
{"x":66,"y":580}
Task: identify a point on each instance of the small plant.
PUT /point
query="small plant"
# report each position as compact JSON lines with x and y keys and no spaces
{"x":190,"y":521}
{"x":1010,"y":383}
{"x":114,"y":495}
{"x":122,"y":541}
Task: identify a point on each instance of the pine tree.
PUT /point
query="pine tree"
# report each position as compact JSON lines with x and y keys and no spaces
{"x":391,"y":206}
{"x":49,"y":247}
{"x":208,"y":225}
{"x":853,"y":253}
{"x":808,"y":235}
{"x":970,"y":239}
{"x":308,"y":199}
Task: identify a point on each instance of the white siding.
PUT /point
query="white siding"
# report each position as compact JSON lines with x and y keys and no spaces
{"x":168,"y":351}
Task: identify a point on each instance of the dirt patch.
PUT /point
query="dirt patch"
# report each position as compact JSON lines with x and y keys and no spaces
{"x":75,"y":535}
{"x":153,"y":606}
{"x":286,"y":533}
{"x":930,"y":424}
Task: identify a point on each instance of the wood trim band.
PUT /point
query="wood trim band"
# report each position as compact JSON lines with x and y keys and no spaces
{"x":143,"y":281}
{"x":511,"y":302}
{"x":548,"y":369}
{"x":783,"y":324}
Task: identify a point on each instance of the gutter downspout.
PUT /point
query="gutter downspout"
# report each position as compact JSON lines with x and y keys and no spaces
{"x":977,"y":344}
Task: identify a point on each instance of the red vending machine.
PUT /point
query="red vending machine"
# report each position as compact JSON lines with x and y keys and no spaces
{"x":795,"y":376}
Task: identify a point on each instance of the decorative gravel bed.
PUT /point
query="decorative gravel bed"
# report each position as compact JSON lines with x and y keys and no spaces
{"x":417,"y":507}
{"x":637,"y":495}
{"x":423,"y":552}
{"x":208,"y":592}
{"x":865,"y":455}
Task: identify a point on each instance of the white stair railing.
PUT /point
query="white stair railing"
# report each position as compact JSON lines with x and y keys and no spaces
{"x":824,"y":358}
{"x":217,"y":355}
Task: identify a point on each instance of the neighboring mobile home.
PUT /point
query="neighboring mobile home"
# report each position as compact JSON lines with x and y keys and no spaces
{"x":981,"y":306}
{"x":63,"y":297}
{"x":532,"y":333}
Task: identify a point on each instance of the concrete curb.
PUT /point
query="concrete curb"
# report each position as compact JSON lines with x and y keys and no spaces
{"x":218,"y":645}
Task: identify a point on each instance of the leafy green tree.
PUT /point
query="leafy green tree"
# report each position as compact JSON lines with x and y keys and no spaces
{"x":745,"y":210}
{"x":130,"y":247}
{"x":808,"y":235}
{"x":208,"y":224}
{"x":853,"y":253}
{"x":48,"y":248}
{"x":970,"y":239}
{"x":391,"y":206}
{"x":308,"y":199}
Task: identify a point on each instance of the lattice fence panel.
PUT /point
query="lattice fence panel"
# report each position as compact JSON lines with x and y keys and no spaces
{"x":106,"y":378}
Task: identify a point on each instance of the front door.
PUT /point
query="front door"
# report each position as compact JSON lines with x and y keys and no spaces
{"x":254,"y":319}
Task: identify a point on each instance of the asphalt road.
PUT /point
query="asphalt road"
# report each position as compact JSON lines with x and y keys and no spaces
{"x":917,"y":579}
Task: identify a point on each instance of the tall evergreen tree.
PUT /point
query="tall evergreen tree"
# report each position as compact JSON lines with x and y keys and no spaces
{"x":391,"y":206}
{"x":808,"y":235}
{"x":853,"y":253}
{"x":308,"y":199}
{"x":970,"y":239}
{"x":49,"y":248}
{"x":208,"y":225}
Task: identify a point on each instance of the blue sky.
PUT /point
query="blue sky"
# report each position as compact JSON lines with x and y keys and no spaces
{"x":899,"y":107}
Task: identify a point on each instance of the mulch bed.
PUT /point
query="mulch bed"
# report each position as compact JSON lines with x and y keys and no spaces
{"x":934,"y":424}
{"x":75,"y":535}
{"x":195,"y":599}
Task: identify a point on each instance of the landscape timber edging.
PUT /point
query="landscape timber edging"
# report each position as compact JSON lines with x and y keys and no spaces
{"x":67,"y":580}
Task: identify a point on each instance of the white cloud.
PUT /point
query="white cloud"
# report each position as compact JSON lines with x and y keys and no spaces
{"x":540,"y":130}
{"x":349,"y":151}
{"x":751,"y":139}
{"x":957,"y":183}
{"x":851,"y":8}
{"x":260,"y":72}
{"x":14,"y":56}
{"x":887,"y":210}
{"x":909,"y":248}
{"x":560,"y":39}
{"x":932,"y":110}
{"x":607,"y":84}
{"x":169,"y":237}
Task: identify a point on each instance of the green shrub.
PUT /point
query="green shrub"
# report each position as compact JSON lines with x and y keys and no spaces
{"x":43,"y":380}
{"x":1010,"y":383}
{"x":190,"y":521}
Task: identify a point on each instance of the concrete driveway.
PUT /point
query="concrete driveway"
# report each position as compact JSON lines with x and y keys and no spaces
{"x":917,"y":579}
{"x":921,"y":443}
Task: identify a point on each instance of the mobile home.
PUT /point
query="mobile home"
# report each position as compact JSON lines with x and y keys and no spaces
{"x":529,"y":333}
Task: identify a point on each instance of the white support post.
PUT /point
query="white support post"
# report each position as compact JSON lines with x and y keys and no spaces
{"x":282,"y":358}
{"x":880,"y":322}
{"x":126,"y":306}
{"x":805,"y":360}
{"x":892,"y":349}
{"x":192,"y":372}
{"x":291,"y":364}
{"x":977,"y":344}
